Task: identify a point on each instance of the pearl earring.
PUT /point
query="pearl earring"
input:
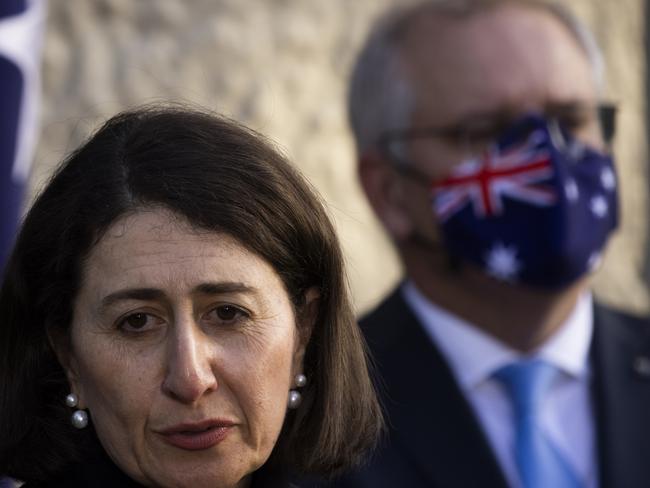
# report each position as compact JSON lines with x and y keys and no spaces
{"x":71,"y":400}
{"x":294,"y":395}
{"x":79,"y":418}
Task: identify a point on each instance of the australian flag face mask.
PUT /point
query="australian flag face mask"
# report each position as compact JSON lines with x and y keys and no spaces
{"x":536,"y":208}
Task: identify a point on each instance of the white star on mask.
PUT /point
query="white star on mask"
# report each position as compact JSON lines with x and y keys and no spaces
{"x":501,"y":262}
{"x":607,"y":179}
{"x":598,"y":206}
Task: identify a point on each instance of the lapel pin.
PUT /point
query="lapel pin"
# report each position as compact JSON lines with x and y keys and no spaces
{"x":641,"y":366}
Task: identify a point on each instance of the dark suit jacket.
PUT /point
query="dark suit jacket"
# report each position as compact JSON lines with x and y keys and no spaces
{"x":434,"y":439}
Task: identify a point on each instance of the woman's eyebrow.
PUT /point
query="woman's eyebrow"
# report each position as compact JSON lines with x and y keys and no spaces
{"x":147,"y":294}
{"x":223,"y":287}
{"x":132,"y":294}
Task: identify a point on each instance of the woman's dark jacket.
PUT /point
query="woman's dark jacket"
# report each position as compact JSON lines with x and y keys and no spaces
{"x":100,"y":472}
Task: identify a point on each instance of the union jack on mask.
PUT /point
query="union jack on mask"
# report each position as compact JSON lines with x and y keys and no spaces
{"x":536,"y":208}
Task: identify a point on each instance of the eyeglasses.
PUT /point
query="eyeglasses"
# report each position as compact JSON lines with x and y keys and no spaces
{"x":477,"y":133}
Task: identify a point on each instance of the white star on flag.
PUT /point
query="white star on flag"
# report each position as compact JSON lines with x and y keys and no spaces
{"x":598,"y":206}
{"x":607,"y":179}
{"x":20,"y":41}
{"x":502,"y":263}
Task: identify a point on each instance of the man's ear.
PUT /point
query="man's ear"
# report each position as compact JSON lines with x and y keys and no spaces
{"x":60,"y":344}
{"x":386,"y":193}
{"x":305,"y":326}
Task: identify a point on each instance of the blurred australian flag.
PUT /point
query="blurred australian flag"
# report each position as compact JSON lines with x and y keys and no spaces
{"x":21,"y":29}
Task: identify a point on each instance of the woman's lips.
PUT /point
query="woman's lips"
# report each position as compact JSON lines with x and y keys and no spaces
{"x":194,"y":437}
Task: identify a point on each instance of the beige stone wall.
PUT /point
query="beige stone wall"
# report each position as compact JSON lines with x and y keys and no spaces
{"x":619,"y":26}
{"x":281,"y":66}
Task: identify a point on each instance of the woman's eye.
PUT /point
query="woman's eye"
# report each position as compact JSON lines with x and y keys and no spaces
{"x":137,"y":321}
{"x":228,"y":313}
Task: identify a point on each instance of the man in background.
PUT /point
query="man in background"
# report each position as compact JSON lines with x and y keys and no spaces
{"x":483,"y":150}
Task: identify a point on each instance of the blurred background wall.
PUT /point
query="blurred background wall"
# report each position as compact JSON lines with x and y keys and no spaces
{"x":281,"y":67}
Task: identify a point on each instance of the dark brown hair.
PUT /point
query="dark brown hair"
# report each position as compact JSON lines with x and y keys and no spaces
{"x":221,"y":177}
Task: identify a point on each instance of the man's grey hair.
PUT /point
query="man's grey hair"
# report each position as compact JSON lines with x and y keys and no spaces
{"x":381,"y":97}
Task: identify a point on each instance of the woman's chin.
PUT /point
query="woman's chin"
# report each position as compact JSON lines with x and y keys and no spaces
{"x":217,"y":466}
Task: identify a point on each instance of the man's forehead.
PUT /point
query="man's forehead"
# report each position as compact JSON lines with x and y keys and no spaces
{"x":506,"y":54}
{"x":436,"y":30}
{"x":444,"y":15}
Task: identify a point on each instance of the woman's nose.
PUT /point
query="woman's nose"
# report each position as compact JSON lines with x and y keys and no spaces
{"x":190,"y":364}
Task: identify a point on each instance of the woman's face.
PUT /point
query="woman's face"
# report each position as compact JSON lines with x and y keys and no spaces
{"x":184,"y":346}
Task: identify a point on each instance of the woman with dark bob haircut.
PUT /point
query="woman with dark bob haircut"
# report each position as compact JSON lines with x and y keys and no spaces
{"x":175,"y":313}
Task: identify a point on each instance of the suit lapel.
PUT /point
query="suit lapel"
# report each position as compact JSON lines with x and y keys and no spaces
{"x":429,"y":418}
{"x":621,"y":360}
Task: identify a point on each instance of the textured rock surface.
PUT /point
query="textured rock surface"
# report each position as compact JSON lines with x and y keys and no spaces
{"x":281,"y":66}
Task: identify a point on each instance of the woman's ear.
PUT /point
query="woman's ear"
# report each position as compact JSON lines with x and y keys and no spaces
{"x":305,"y":322}
{"x":60,"y":344}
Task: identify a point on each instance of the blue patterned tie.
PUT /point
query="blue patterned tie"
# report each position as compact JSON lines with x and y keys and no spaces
{"x":539,"y":462}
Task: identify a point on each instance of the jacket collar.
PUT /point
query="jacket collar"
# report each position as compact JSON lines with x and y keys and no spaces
{"x":437,"y":430}
{"x":621,"y":360}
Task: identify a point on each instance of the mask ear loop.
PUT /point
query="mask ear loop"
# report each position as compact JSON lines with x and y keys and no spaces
{"x":555,"y":132}
{"x":570,"y":147}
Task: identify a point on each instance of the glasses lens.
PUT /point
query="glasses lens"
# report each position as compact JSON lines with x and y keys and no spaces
{"x":472,"y":138}
{"x":607,"y":117}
